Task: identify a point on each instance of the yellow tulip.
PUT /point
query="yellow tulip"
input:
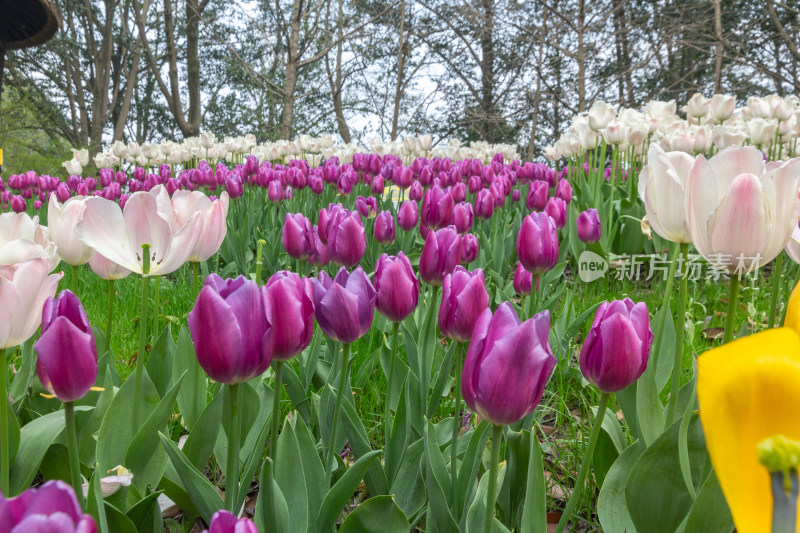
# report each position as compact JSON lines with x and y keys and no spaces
{"x":749,"y":390}
{"x":792,"y":319}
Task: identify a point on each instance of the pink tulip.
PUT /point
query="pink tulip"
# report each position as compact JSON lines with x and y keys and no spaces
{"x":24,"y":287}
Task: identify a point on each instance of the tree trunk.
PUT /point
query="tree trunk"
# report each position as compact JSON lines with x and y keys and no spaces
{"x":193,"y":11}
{"x":718,"y":49}
{"x":581,"y":58}
{"x":401,"y":66}
{"x":292,"y":64}
{"x":487,"y":72}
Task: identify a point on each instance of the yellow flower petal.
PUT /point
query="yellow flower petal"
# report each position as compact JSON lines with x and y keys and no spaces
{"x":749,"y":390}
{"x":792,"y":319}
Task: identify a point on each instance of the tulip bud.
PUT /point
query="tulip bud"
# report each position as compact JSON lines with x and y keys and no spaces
{"x":289,"y":307}
{"x":407,"y":215}
{"x":523,"y":281}
{"x":557,"y":209}
{"x":462,"y":217}
{"x":440,"y":255}
{"x":298,"y":240}
{"x":345,"y":305}
{"x":617,"y":347}
{"x":464,"y":298}
{"x":226,"y":522}
{"x":415,"y":192}
{"x":516,"y":196}
{"x":564,"y":191}
{"x":469,"y":248}
{"x":484,"y":204}
{"x":397,"y":287}
{"x":67,"y":364}
{"x":538,"y":192}
{"x":51,"y":507}
{"x":275,"y":191}
{"x":18,"y":204}
{"x":384,"y":227}
{"x":537,"y":243}
{"x":589,"y":228}
{"x":507,"y":365}
{"x":437,"y":208}
{"x":230,"y":331}
{"x":347,"y":240}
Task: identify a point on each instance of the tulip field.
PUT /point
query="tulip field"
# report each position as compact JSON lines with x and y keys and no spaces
{"x":216,"y":334}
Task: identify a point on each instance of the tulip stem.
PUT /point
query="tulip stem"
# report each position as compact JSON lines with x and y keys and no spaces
{"x":137,"y":387}
{"x":776,"y":290}
{"x":72,"y":451}
{"x":586,"y":463}
{"x":156,"y":305}
{"x":75,"y":279}
{"x":4,"y":436}
{"x":277,"y":368}
{"x":677,"y":363}
{"x":491,"y":494}
{"x":110,"y":315}
{"x":733,"y":300}
{"x":232,"y":475}
{"x":456,"y":430}
{"x":194,"y":279}
{"x":337,"y":408}
{"x":259,"y":262}
{"x":387,"y":412}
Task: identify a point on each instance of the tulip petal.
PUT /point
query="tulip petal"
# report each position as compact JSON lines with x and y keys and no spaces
{"x":738,"y":228}
{"x":217,"y":339}
{"x":780,"y":188}
{"x":732,"y":161}
{"x":181,"y":246}
{"x":474,"y":359}
{"x":102,"y":227}
{"x":53,"y":497}
{"x":69,"y":357}
{"x":701,"y":200}
{"x":747,"y":391}
{"x":337,"y":314}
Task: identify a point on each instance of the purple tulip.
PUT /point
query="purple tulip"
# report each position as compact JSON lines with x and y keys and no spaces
{"x":289,"y":306}
{"x":384,"y":227}
{"x":617,"y":347}
{"x":234,"y":186}
{"x":397,"y":287}
{"x":298,"y":239}
{"x":589,"y":228}
{"x":464,"y":298}
{"x":516,"y":196}
{"x":469,"y":248}
{"x":18,"y":204}
{"x":275,"y":191}
{"x":345,"y":305}
{"x":319,"y":258}
{"x":402,"y":176}
{"x":62,"y":192}
{"x":537,"y":243}
{"x":233,"y":339}
{"x":347,"y":240}
{"x":459,"y":192}
{"x":564,"y":191}
{"x":437,"y":208}
{"x":226,"y":522}
{"x":50,"y":508}
{"x":557,"y":209}
{"x":67,"y":363}
{"x":523,"y":281}
{"x":463,"y":217}
{"x":440,"y":255}
{"x":345,"y":184}
{"x":507,"y":365}
{"x":415,"y":192}
{"x":538,"y":192}
{"x":407,"y":215}
{"x":484,"y":204}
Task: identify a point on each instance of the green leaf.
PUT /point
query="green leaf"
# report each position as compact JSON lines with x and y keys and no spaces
{"x":204,"y":495}
{"x":13,"y":432}
{"x":200,"y":443}
{"x":292,"y":485}
{"x":396,"y":447}
{"x":471,"y":463}
{"x":375,"y":478}
{"x":24,"y":376}
{"x":408,"y":486}
{"x":437,"y":481}
{"x":192,"y":397}
{"x":313,"y":470}
{"x":477,"y":511}
{"x":611,"y":507}
{"x":144,"y":456}
{"x":143,"y":512}
{"x":656,"y":494}
{"x":160,"y":362}
{"x":338,"y":496}
{"x":116,"y":430}
{"x":252,"y":463}
{"x":94,"y":503}
{"x":443,"y":379}
{"x":272,"y":513}
{"x":117,"y":521}
{"x":665,"y":352}
{"x":35,"y":438}
{"x":379,"y":513}
{"x":534,"y":510}
{"x":252,"y":416}
{"x":649,"y":408}
{"x":710,"y":511}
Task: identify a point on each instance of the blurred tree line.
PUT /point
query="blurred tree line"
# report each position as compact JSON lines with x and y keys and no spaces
{"x":512,"y":71}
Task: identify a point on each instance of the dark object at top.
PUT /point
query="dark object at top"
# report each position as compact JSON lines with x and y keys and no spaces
{"x":25,"y":23}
